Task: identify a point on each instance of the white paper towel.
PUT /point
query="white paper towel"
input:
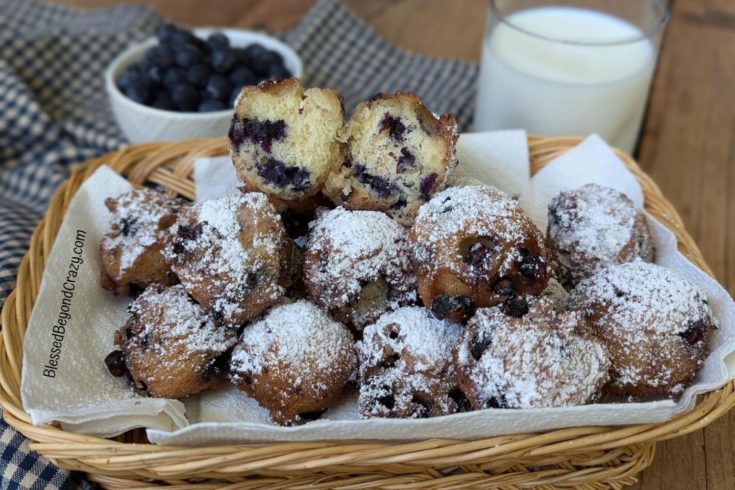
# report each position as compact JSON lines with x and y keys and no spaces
{"x":501,"y":153}
{"x":470,"y":425}
{"x":592,"y":161}
{"x":70,"y":332}
{"x":220,"y":175}
{"x":228,"y":416}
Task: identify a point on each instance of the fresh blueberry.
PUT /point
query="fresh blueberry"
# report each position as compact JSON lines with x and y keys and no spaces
{"x":198,"y":75}
{"x":278,"y":71}
{"x":138,"y":70}
{"x":139,"y":67}
{"x":173,"y":77}
{"x":127,"y":78}
{"x":259,"y":66}
{"x":242,"y":76}
{"x":241,"y":55}
{"x":218,"y":87}
{"x":164,"y":101}
{"x":136,"y":78}
{"x":188,"y":56}
{"x":218,"y":41}
{"x":275,"y":57}
{"x":164,"y":32}
{"x":154,"y":74}
{"x":223,"y":60}
{"x":198,"y":43}
{"x":210,"y":105}
{"x":139,"y":92}
{"x":143,"y":69}
{"x":181,"y":38}
{"x":262,"y":63}
{"x":161,"y":56}
{"x":185,"y":97}
{"x":254,"y":51}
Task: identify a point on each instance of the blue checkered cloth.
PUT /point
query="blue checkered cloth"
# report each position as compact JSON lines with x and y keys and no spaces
{"x":54,"y":113}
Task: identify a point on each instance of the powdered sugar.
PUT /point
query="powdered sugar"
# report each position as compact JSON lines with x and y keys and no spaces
{"x":593,"y":226}
{"x":465,"y":209}
{"x":405,"y":358}
{"x":222,"y":214}
{"x":655,"y":322}
{"x":533,"y":362}
{"x":215,"y":252}
{"x":298,"y":336}
{"x":459,"y":213}
{"x":142,"y":219}
{"x":639,"y":296}
{"x":414,"y":330}
{"x":182,"y":327}
{"x":349,"y":249}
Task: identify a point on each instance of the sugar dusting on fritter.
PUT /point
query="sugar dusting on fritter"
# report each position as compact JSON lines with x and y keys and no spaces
{"x":428,"y":339}
{"x":220,"y":251}
{"x":532,"y":362}
{"x":468,"y":211}
{"x":299,"y":336}
{"x":419,"y":346}
{"x":636,"y":292}
{"x":139,"y":223}
{"x":594,"y":226}
{"x":600,"y":222}
{"x":650,"y":310}
{"x":356,"y":248}
{"x":183,"y":326}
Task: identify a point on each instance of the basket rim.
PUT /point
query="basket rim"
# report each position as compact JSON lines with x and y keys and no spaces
{"x":171,"y":164}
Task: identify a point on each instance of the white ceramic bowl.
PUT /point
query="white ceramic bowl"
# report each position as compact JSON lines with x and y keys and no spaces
{"x":142,"y":124}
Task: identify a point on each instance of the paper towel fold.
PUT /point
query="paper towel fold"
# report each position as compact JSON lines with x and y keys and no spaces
{"x":228,"y":416}
{"x":70,"y":332}
{"x":503,"y":152}
{"x":592,"y":161}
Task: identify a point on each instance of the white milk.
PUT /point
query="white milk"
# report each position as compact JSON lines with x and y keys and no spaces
{"x":563,"y":88}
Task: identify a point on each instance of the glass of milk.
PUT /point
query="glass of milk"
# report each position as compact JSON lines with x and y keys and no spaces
{"x":569,"y":67}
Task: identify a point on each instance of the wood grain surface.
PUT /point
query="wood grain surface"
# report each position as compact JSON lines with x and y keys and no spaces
{"x":687,"y":144}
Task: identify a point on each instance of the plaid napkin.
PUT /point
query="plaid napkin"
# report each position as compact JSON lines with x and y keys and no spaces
{"x":54,"y":113}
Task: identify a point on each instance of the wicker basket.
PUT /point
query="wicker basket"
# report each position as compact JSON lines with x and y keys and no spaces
{"x":583,"y":457}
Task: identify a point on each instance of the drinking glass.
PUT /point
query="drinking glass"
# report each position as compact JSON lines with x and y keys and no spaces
{"x":574,"y":67}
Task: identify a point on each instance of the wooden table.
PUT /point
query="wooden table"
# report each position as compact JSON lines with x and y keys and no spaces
{"x":687,"y":145}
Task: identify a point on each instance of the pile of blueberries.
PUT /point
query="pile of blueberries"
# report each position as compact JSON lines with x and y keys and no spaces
{"x":188,"y":74}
